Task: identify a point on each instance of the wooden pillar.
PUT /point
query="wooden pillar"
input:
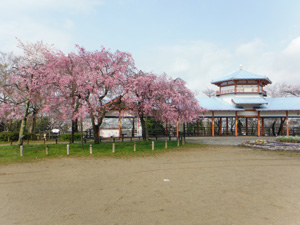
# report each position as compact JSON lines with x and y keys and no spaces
{"x":263,"y":126}
{"x":287,"y":124}
{"x":246,"y":126}
{"x":177,"y":130}
{"x":227,"y":126}
{"x":213,"y":124}
{"x":133,"y":126}
{"x":220,"y":126}
{"x":197,"y":127}
{"x":119,"y":124}
{"x":258,"y":124}
{"x":236,"y":125}
{"x":235,"y":87}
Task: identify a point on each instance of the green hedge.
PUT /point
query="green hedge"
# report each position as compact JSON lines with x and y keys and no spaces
{"x":14,"y":136}
{"x":67,"y":137}
{"x":288,"y":139}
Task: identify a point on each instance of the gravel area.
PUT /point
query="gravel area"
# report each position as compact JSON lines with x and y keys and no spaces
{"x":210,"y":185}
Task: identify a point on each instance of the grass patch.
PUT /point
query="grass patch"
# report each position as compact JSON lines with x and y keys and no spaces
{"x":288,"y":139}
{"x":11,"y":153}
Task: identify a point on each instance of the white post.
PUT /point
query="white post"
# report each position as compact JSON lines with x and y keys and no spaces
{"x":166,"y":144}
{"x":134,"y":146}
{"x":21,"y":150}
{"x":68,"y":149}
{"x":91,"y":149}
{"x":152,"y":145}
{"x":177,"y":141}
{"x":47,"y":150}
{"x":113,"y":147}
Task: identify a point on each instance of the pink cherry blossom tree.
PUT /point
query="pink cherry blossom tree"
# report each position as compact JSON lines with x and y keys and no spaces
{"x":183,"y":102}
{"x":105,"y":75}
{"x":8,"y":61}
{"x":63,"y":102}
{"x":24,"y":85}
{"x":141,"y":97}
{"x":161,"y":98}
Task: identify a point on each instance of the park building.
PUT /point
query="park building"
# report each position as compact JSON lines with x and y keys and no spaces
{"x":242,"y":107}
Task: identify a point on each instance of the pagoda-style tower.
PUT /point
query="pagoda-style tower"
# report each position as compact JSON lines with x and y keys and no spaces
{"x":241,"y":96}
{"x":242,"y":84}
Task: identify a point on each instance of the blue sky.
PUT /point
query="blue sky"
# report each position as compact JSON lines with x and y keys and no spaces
{"x":197,"y":40}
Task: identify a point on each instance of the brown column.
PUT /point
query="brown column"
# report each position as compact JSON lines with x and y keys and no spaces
{"x":235,"y":87}
{"x":258,"y":124}
{"x":287,"y":124}
{"x":220,"y":126}
{"x":197,"y":127}
{"x":213,"y":124}
{"x":246,"y":126}
{"x":227,"y":125}
{"x":263,"y":126}
{"x":236,"y":124}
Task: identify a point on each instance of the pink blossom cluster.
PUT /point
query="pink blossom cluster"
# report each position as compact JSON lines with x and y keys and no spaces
{"x":87,"y":84}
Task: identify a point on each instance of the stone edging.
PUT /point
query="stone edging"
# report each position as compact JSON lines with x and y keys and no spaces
{"x":272,"y":145}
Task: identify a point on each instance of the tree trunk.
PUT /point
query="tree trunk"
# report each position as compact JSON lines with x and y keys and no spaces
{"x":147,"y":130}
{"x":76,"y":126}
{"x":280,"y":127}
{"x":23,"y":124}
{"x":95,"y":130}
{"x":273,"y":127}
{"x":81,"y":130}
{"x":33,"y":125}
{"x":74,"y":129}
{"x":143,"y":127}
{"x":96,"y":127}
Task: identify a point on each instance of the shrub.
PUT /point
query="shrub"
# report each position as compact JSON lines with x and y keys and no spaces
{"x":14,"y":136}
{"x":67,"y":137}
{"x":30,"y":136}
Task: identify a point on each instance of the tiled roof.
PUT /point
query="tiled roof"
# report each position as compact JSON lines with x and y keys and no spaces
{"x":241,"y":75}
{"x":281,"y":104}
{"x":266,"y":104}
{"x":217,"y":104}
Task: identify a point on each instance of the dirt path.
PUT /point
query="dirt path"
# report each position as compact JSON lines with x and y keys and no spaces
{"x":212,"y":185}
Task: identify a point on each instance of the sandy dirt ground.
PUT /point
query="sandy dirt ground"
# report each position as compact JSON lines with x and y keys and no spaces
{"x":211,"y":185}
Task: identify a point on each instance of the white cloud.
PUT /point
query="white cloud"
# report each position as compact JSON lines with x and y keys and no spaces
{"x":199,"y":62}
{"x":251,"y":48}
{"x":196,"y":62}
{"x":58,"y":5}
{"x":293,"y":47}
{"x":19,"y":18}
{"x":30,"y":31}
